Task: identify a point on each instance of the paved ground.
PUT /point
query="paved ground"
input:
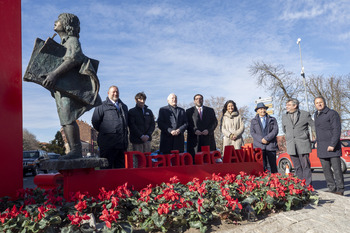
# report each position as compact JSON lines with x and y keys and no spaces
{"x":332,"y":214}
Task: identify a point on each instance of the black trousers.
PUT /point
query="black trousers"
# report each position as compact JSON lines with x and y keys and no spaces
{"x":335,"y":178}
{"x":269,"y":161}
{"x":115,"y":157}
{"x":302,"y":167}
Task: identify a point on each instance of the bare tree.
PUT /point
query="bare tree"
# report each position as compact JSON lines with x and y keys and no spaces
{"x":334,"y":89}
{"x":281,"y":83}
{"x":29,"y":141}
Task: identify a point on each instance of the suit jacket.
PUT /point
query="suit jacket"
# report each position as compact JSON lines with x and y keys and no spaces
{"x":168,"y":121}
{"x":328,"y":131}
{"x":297,"y":133}
{"x":208,"y":122}
{"x":269,"y":133}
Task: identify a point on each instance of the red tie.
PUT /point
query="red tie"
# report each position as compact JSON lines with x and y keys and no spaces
{"x":200,"y":112}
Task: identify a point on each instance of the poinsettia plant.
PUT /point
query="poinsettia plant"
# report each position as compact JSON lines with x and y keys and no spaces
{"x":171,"y":205}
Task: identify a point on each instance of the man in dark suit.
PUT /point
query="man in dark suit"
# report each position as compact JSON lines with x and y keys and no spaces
{"x":172,"y":122}
{"x":201,"y":125}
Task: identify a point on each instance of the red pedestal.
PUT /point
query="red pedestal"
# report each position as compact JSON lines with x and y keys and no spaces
{"x":11,"y":174}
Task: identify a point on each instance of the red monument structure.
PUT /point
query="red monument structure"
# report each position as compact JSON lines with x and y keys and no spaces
{"x":11,"y":174}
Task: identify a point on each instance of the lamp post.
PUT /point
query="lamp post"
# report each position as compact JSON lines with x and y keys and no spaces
{"x":304,"y":82}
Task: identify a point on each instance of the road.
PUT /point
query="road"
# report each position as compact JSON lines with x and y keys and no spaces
{"x":318,"y":181}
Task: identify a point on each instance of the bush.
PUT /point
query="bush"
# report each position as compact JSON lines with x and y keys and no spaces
{"x":169,"y":206}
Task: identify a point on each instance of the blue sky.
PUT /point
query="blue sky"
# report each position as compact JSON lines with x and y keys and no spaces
{"x":187,"y":47}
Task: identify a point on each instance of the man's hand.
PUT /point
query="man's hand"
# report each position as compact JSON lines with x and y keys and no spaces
{"x":198,"y":133}
{"x":330,"y":148}
{"x":264,"y":141}
{"x":50,"y":80}
{"x":144,"y":138}
{"x":205,"y":132}
{"x":175,"y":132}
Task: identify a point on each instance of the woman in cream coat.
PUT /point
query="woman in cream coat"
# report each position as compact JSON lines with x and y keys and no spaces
{"x":232,"y":125}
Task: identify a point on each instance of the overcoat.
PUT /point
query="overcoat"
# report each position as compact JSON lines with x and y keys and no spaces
{"x":269,"y":133}
{"x":232,"y":123}
{"x":208,"y":122}
{"x":141,"y":122}
{"x":297,"y":134}
{"x":328,"y":131}
{"x":168,"y":121}
{"x":111,"y":124}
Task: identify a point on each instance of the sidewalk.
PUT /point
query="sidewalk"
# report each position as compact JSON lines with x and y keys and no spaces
{"x":332,"y":214}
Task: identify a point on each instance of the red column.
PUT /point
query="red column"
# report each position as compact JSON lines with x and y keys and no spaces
{"x":11,"y":174}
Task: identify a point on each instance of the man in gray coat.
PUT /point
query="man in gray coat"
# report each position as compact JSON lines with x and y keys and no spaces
{"x":295,"y":124}
{"x":328,"y":130}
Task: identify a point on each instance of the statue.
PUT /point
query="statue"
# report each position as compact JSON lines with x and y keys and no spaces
{"x":70,"y":76}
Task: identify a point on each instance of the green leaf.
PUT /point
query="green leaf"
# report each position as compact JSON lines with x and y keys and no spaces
{"x":55,"y":220}
{"x":126,"y":228}
{"x":43,"y":223}
{"x":203,"y":228}
{"x":250,"y":200}
{"x":145,"y":211}
{"x":196,"y":224}
{"x":108,"y":206}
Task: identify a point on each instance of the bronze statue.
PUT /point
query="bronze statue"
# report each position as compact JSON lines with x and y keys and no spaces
{"x":69,"y":75}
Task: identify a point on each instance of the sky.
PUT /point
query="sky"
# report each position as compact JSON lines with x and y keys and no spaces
{"x":187,"y":47}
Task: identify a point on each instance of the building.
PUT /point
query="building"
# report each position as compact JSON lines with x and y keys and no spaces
{"x":88,"y":138}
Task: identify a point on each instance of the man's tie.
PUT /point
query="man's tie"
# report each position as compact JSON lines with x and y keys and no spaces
{"x":200,"y":112}
{"x":117,"y":105}
{"x":263,"y":121}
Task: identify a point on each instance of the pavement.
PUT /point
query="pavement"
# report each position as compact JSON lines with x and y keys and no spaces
{"x":332,"y":214}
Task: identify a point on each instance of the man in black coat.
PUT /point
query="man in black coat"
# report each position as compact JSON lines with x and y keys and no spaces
{"x":172,"y":122}
{"x":201,"y":125}
{"x":111,"y":121}
{"x":141,"y":125}
{"x":328,"y":130}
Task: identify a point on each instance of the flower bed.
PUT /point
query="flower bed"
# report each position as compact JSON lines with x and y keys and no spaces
{"x":169,"y":206}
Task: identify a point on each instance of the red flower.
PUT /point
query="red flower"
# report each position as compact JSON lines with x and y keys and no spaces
{"x":42,"y":210}
{"x":310,"y":188}
{"x":76,"y":219}
{"x":109,"y":216}
{"x":163,"y":209}
{"x":174,"y":180}
{"x":200,"y":204}
{"x":81,"y":206}
{"x":271,"y":193}
{"x":233,"y":203}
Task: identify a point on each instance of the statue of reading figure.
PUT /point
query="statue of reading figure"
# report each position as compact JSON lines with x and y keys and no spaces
{"x":69,"y":75}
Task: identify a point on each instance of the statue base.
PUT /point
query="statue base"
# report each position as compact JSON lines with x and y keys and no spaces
{"x":70,"y":164}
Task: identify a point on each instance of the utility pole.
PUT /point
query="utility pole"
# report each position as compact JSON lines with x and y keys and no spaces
{"x":304,"y":82}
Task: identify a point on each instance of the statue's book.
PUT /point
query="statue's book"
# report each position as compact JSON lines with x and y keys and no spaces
{"x":80,"y":83}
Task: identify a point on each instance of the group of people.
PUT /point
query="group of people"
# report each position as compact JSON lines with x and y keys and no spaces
{"x":295,"y":125}
{"x":112,"y":120}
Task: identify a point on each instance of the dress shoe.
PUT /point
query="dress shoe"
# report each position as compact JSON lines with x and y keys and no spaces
{"x":340,"y":193}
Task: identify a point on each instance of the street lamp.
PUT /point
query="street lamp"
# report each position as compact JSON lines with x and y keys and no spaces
{"x":304,"y":81}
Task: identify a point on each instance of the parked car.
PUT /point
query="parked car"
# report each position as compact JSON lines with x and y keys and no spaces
{"x":284,"y":159}
{"x":53,"y":156}
{"x":32,"y":159}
